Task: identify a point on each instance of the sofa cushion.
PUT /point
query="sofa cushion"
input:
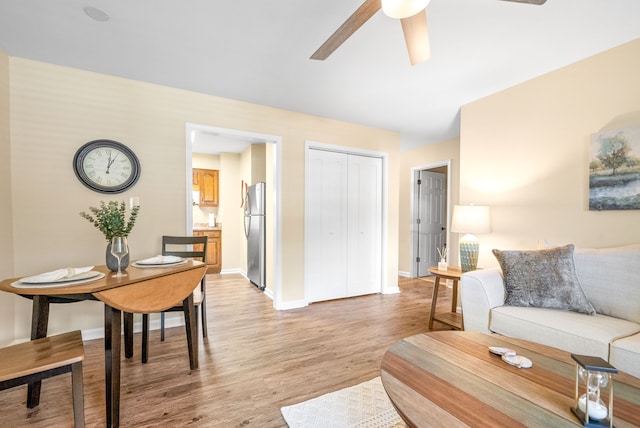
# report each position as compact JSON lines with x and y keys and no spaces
{"x":566,"y":330}
{"x":625,"y":355}
{"x":610,"y":278}
{"x":543,"y":278}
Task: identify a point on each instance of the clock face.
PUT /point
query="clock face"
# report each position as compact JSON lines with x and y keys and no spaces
{"x":106,"y":166}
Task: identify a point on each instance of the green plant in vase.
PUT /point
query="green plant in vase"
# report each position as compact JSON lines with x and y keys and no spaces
{"x":110,"y":218}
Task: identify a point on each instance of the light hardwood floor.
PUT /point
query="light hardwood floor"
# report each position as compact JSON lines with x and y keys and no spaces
{"x":255,"y":361}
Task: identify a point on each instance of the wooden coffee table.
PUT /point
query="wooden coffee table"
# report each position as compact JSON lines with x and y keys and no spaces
{"x":449,"y":378}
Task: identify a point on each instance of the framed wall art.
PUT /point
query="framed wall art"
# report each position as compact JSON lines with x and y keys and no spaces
{"x":614,"y":170}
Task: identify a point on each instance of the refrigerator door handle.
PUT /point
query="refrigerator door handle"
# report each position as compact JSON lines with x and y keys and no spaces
{"x":247,"y":208}
{"x":247,"y":214}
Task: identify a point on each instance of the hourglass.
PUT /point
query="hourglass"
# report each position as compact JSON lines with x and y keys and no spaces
{"x":593,"y":376}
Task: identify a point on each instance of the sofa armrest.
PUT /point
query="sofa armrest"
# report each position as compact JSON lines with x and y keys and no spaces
{"x":480,"y":291}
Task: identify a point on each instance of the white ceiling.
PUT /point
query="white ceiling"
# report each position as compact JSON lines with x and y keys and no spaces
{"x":258,"y":51}
{"x":214,"y":141}
{"x":205,"y":142}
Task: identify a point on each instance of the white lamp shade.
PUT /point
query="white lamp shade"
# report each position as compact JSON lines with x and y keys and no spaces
{"x":400,"y":9}
{"x":471,"y":219}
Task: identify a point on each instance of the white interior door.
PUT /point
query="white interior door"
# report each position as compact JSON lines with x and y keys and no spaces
{"x":343,"y":224}
{"x":364,"y":225}
{"x":431,"y":219}
{"x":326,"y":215}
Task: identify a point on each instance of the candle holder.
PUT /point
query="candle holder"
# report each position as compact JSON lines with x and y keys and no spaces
{"x":593,"y":377}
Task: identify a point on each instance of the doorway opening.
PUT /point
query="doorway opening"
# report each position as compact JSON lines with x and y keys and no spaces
{"x":208,"y":140}
{"x":431,"y":196}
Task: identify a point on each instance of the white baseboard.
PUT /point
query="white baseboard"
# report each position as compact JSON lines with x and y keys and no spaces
{"x":293,"y":304}
{"x":169,"y":321}
{"x":404,"y":274}
{"x":391,"y":290}
{"x":230,"y":271}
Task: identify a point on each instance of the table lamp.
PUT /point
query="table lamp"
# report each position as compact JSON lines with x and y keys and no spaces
{"x":469,"y":219}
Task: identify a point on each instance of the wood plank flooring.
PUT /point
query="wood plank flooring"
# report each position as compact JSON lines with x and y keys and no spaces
{"x":255,"y":361}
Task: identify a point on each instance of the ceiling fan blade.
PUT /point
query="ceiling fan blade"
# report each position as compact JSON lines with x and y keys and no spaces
{"x":536,"y":2}
{"x":355,"y":21}
{"x":416,"y":36}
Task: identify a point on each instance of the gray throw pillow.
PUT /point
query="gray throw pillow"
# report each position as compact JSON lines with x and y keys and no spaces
{"x":543,"y":279}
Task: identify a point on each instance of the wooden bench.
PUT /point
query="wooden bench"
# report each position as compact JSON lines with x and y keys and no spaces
{"x":43,"y":358}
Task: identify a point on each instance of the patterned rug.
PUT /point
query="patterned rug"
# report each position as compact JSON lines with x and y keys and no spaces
{"x":360,"y":406}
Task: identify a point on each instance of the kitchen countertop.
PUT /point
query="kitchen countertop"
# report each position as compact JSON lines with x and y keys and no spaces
{"x":206,"y":228}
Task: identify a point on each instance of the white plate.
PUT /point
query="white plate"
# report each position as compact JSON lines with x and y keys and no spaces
{"x":160,"y":265}
{"x":76,"y":279}
{"x":518,"y":360}
{"x":160,"y":260}
{"x":501,"y":351}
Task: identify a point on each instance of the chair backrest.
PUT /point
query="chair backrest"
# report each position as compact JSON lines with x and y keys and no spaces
{"x":177,"y":246}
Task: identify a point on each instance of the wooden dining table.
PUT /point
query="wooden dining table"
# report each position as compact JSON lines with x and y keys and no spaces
{"x":142,"y":290}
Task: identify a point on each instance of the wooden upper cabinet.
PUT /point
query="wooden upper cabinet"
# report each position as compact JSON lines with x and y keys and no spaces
{"x":206,"y":181}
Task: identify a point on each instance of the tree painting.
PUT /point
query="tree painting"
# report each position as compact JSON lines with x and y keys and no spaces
{"x":614,"y":170}
{"x":614,"y":152}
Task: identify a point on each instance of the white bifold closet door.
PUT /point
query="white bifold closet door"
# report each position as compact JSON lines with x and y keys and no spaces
{"x":343,"y":223}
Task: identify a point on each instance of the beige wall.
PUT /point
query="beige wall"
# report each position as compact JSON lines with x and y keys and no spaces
{"x":230,"y":212}
{"x":417,"y":159}
{"x":258,"y":166}
{"x":524,"y":151}
{"x":7,"y":302}
{"x":205,"y":161}
{"x":54,"y":110}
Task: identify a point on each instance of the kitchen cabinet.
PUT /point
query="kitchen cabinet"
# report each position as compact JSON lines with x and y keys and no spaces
{"x":206,"y":181}
{"x":214,"y":249}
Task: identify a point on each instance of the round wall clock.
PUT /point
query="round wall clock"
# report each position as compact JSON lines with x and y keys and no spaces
{"x":106,"y":166}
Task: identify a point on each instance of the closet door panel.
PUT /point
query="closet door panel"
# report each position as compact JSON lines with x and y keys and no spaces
{"x":364,"y":271}
{"x":326,"y":195}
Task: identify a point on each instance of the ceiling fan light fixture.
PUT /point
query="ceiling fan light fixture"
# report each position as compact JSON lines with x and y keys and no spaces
{"x":400,"y":9}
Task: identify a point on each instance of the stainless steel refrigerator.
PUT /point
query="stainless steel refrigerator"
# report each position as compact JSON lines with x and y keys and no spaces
{"x":254,"y":229}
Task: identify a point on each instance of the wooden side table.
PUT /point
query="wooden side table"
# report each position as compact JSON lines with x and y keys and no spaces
{"x":453,"y":318}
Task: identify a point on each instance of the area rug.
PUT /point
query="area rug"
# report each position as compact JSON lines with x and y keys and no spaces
{"x":360,"y":406}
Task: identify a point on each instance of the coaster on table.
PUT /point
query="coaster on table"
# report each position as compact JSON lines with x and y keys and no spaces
{"x":501,"y":351}
{"x":518,"y":360}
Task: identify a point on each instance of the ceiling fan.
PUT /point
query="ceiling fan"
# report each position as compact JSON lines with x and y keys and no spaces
{"x":411,"y":13}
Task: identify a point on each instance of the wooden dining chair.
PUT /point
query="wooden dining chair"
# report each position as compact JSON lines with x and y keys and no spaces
{"x":192,"y":247}
{"x":44,"y":358}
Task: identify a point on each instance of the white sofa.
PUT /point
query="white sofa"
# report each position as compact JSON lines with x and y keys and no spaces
{"x":610,"y":279}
